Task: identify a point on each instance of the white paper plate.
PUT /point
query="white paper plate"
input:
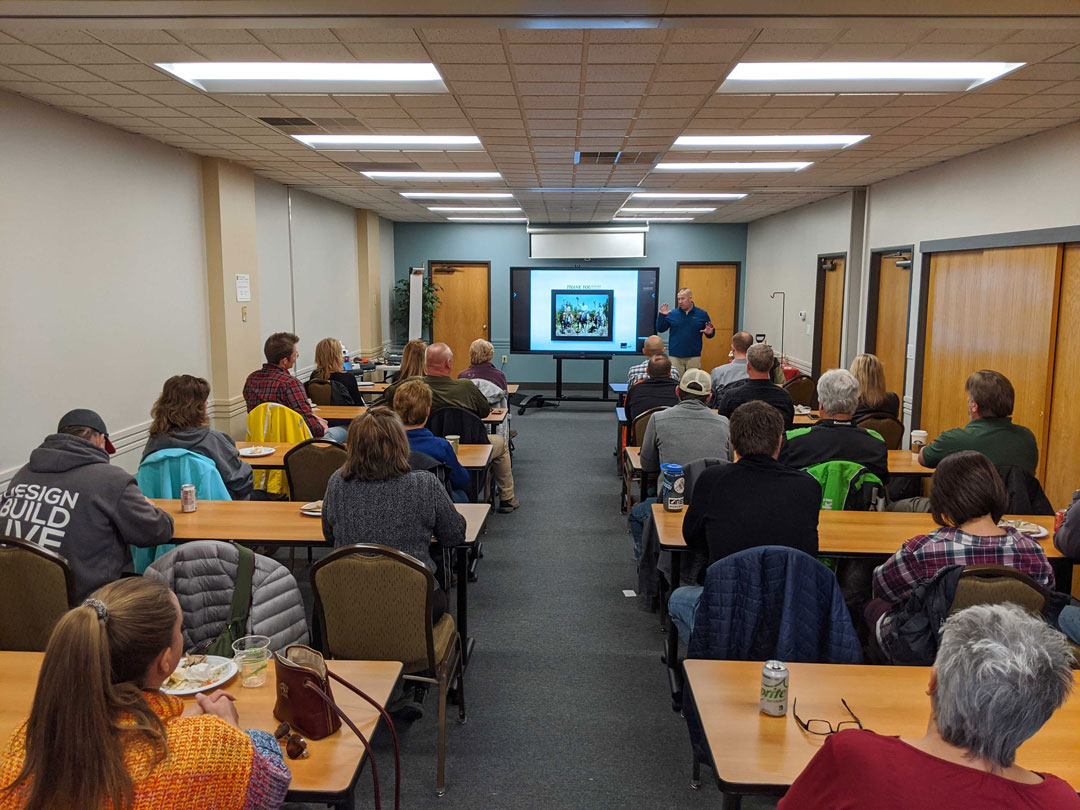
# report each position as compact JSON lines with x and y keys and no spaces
{"x":313,"y":509}
{"x":256,"y":452}
{"x":214,"y":660}
{"x":802,"y":410}
{"x":1026,"y":531}
{"x":364,"y":384}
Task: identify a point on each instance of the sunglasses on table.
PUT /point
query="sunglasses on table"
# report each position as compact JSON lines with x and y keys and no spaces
{"x":824,"y":727}
{"x":295,"y":745}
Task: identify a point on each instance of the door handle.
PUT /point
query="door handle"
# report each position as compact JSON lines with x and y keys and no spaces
{"x":484,"y":327}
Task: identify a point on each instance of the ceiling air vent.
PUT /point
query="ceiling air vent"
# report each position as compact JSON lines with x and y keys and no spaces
{"x":288,"y":122}
{"x":614,"y":158}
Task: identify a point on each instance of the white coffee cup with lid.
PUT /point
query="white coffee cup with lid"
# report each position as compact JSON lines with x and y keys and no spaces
{"x":918,"y":442}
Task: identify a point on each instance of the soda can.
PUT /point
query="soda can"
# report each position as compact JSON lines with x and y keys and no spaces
{"x":1059,"y":518}
{"x":188,"y":501}
{"x":774,"y":688}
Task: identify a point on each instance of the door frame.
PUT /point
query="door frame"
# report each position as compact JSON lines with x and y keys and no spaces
{"x":431,"y":264}
{"x":738,"y":284}
{"x":873,"y":289}
{"x":819,"y":304}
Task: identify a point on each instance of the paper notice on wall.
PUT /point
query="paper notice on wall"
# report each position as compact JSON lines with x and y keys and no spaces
{"x":416,"y":302}
{"x":243,"y":287}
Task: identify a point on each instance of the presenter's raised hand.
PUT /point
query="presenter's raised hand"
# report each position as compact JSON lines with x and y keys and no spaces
{"x":709,"y":329}
{"x":664,"y":308}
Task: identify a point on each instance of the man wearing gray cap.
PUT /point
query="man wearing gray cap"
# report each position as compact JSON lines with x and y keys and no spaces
{"x":70,"y":500}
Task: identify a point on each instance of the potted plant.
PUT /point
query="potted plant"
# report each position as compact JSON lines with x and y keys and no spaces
{"x":399,"y":315}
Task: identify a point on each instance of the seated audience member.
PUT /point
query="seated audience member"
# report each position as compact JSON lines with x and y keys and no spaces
{"x":991,"y":430}
{"x":683,"y":433}
{"x":967,"y":499}
{"x":755,"y":502}
{"x":835,"y":437}
{"x":758,"y":385}
{"x":376,"y":482}
{"x":70,"y":500}
{"x":274,"y":383}
{"x":1067,"y":538}
{"x":874,"y":400}
{"x":330,"y":365}
{"x":180,"y":421}
{"x":736,"y":369}
{"x":654,"y":345}
{"x":999,"y":675}
{"x":102,"y":734}
{"x":412,"y":360}
{"x":655,"y":391}
{"x":413,"y":405}
{"x":481,"y":355}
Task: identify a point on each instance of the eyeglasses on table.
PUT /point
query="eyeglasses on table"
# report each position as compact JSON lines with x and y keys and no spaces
{"x":824,"y":727}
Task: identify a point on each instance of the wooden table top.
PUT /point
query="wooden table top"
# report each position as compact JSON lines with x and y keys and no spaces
{"x":470,"y":456}
{"x":804,"y":419}
{"x":332,"y":762}
{"x":900,"y":462}
{"x":274,"y":521}
{"x":750,"y":748}
{"x":497,"y":416}
{"x":852,"y":533}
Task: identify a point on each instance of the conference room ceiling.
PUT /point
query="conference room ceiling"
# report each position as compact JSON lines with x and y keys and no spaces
{"x":536,"y":96}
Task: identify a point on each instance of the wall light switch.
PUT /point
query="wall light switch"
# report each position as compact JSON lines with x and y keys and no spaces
{"x":802,"y":314}
{"x":243,"y":314}
{"x":808,"y":329}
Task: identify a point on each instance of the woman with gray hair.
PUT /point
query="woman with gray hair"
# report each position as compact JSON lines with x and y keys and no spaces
{"x":999,"y":675}
{"x":481,"y":367}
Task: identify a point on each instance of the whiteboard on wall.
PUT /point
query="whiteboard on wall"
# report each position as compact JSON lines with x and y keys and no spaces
{"x":587,"y":243}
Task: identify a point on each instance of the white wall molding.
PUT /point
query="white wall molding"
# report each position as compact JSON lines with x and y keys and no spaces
{"x":802,"y":365}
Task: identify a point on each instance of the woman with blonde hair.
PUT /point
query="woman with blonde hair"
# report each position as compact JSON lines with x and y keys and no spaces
{"x":874,"y":400}
{"x":412,"y":365}
{"x":330,"y":365}
{"x":101,"y":734}
{"x":180,"y":421}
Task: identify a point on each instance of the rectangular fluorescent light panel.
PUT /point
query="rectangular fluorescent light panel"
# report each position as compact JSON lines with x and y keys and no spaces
{"x":375,"y":143}
{"x":685,"y":195}
{"x":633,"y":210}
{"x":739,"y":166}
{"x":863,"y":77}
{"x":433,"y":175}
{"x":308,"y":77}
{"x":488,"y":219}
{"x":478,"y":209}
{"x":456,"y":195}
{"x":719,"y":143}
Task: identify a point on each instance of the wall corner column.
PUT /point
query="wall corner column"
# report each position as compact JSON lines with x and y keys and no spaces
{"x":231,"y":250}
{"x":368,"y":282}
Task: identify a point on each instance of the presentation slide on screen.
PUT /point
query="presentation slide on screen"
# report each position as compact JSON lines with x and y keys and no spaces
{"x":606,"y":311}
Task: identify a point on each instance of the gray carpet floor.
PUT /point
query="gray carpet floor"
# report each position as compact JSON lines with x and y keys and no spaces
{"x":567,"y":699}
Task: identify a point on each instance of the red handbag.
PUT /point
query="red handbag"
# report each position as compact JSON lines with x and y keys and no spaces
{"x":305,"y":702}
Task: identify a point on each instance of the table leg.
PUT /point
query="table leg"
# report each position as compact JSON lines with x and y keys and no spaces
{"x":462,"y":553}
{"x":671,"y":655}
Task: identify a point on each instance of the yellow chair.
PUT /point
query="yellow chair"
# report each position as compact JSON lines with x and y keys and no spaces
{"x":38,"y":589}
{"x":272,"y":422}
{"x":373,"y":603}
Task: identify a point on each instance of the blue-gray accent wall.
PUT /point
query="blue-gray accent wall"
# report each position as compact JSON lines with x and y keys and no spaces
{"x":505,"y":246}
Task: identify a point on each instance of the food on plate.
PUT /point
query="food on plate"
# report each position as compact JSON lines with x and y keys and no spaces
{"x":1024,"y":526}
{"x":188,"y":675}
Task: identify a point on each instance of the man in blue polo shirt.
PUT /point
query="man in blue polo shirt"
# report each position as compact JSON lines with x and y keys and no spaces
{"x":687,"y":324}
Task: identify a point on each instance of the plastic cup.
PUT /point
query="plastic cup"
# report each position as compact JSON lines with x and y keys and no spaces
{"x":918,"y":442}
{"x":454,"y":441}
{"x":252,"y":655}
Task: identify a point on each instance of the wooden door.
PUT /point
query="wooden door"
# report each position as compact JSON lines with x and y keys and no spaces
{"x":991,"y":309}
{"x":464,"y":310}
{"x":890,"y":331}
{"x":829,"y":317}
{"x":1063,"y":439}
{"x":716,"y":290}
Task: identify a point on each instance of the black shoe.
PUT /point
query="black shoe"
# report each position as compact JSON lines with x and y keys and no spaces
{"x":506,"y":507}
{"x":407,"y":712}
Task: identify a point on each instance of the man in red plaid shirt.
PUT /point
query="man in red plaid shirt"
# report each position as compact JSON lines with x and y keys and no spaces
{"x":967,"y":498}
{"x":274,"y":383}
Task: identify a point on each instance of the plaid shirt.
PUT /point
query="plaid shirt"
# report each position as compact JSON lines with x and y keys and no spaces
{"x":923,"y":556}
{"x":641,"y":371}
{"x":272,"y":383}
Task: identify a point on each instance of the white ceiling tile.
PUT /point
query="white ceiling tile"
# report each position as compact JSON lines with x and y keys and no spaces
{"x":782,"y":53}
{"x":468,"y":54}
{"x":547,"y":73}
{"x":487,"y":88}
{"x":1012,"y":52}
{"x":614,"y":89}
{"x":618,"y":73}
{"x":796,"y":35}
{"x":295,"y":35}
{"x":711,"y":35}
{"x":251,"y":52}
{"x":713,"y":74}
{"x":857,"y":52}
{"x":351,"y":35}
{"x":163,"y":52}
{"x":892,"y":32}
{"x":321,"y":52}
{"x":469,"y":35}
{"x":220,"y":36}
{"x":389,"y":52}
{"x":622,"y":54}
{"x":26,"y":55}
{"x":548,"y":35}
{"x":545,"y":54}
{"x":696,"y":53}
{"x":987,"y":35}
{"x":478,"y":73}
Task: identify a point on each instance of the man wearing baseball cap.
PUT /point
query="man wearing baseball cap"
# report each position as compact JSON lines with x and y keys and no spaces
{"x":70,"y":500}
{"x":678,"y":435}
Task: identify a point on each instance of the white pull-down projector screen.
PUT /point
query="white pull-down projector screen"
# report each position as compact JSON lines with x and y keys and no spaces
{"x":587,"y":243}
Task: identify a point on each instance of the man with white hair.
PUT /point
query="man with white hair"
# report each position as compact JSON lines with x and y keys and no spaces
{"x":999,"y":675}
{"x":835,"y":437}
{"x":687,"y":324}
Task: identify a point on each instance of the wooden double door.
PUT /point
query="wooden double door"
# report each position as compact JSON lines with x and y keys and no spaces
{"x":1015,"y":310}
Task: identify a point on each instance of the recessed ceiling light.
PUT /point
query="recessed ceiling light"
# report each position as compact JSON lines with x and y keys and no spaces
{"x":686,"y":195}
{"x":862,"y":77}
{"x":765,"y":142}
{"x":456,"y":195}
{"x":488,"y":219}
{"x":309,"y":77}
{"x":375,"y":143}
{"x":738,"y":166}
{"x":480,"y":209}
{"x":433,"y":175}
{"x":632,"y":210}
{"x":580,"y":190}
{"x":652,"y":219}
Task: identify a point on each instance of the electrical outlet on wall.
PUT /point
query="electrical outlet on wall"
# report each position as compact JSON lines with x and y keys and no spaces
{"x":504,"y":359}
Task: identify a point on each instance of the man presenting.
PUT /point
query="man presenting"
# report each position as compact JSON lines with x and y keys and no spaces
{"x":687,"y":324}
